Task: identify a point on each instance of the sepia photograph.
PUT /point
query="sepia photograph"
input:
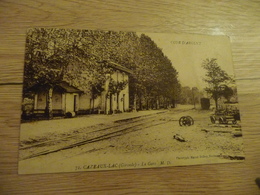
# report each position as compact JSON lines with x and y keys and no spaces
{"x":103,"y":100}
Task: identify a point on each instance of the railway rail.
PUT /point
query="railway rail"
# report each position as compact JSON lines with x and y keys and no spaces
{"x":67,"y":142}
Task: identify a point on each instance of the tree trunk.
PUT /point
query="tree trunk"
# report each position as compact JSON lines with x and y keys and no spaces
{"x":48,"y":111}
{"x":90,"y":105}
{"x":93,"y":106}
{"x":135,"y":99}
{"x":164,"y":103}
{"x":111,"y":104}
{"x":117,"y":101}
{"x":140,"y":104}
{"x":106,"y":111}
{"x":216,"y":103}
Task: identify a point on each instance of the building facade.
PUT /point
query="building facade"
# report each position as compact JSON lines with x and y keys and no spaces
{"x":64,"y":99}
{"x":109,"y":101}
{"x":69,"y":99}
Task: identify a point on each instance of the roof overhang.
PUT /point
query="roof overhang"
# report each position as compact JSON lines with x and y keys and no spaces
{"x":119,"y":67}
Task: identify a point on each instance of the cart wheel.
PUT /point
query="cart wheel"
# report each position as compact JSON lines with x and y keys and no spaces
{"x":221,"y":120}
{"x":212,"y":119}
{"x":186,"y":121}
{"x":191,"y":119}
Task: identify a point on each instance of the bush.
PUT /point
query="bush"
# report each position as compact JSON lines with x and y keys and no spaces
{"x":27,"y":108}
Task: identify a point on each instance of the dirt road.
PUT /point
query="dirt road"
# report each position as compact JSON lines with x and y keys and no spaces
{"x":136,"y":135}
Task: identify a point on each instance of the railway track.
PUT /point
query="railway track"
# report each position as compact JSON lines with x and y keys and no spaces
{"x":122,"y":127}
{"x":118,"y":123}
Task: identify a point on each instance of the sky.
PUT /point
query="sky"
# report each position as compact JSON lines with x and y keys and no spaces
{"x":187,"y":53}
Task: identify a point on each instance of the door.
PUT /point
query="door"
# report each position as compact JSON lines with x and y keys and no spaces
{"x":123,"y":102}
{"x":75,"y":103}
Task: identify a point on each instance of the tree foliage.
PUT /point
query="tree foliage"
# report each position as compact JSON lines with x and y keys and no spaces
{"x":190,"y":95}
{"x":115,"y":87}
{"x":81,"y":57}
{"x":216,"y":78}
{"x":155,"y":80}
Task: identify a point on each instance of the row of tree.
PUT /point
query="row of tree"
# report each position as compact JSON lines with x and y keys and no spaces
{"x":81,"y":57}
{"x":190,"y":95}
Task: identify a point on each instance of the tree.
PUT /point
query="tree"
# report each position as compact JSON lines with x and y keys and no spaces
{"x":48,"y":53}
{"x":76,"y":56}
{"x":190,"y":95}
{"x":81,"y":58}
{"x":154,"y":81}
{"x":215,"y":78}
{"x":227,"y":92}
{"x":114,"y":88}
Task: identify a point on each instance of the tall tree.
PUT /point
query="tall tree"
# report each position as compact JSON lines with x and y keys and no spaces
{"x":81,"y":58}
{"x":48,"y":53}
{"x":157,"y":77}
{"x":215,"y":78}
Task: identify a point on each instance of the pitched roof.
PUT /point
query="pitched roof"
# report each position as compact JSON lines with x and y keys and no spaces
{"x":119,"y":67}
{"x":63,"y":86}
{"x":68,"y":88}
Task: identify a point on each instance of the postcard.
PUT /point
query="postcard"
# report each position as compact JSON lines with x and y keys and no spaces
{"x":103,"y":100}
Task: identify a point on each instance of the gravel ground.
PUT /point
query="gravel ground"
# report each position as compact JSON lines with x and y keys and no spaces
{"x":47,"y":128}
{"x":151,"y":135}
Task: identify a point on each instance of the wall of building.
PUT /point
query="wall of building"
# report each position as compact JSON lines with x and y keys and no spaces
{"x":120,"y":102}
{"x":86,"y":103}
{"x":71,"y":105}
{"x":57,"y":100}
{"x":41,"y":100}
{"x":103,"y":103}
